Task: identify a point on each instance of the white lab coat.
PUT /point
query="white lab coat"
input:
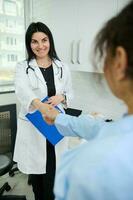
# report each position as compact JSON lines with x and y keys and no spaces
{"x":30,"y":146}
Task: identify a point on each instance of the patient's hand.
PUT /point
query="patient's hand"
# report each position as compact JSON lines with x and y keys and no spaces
{"x":48,"y":112}
{"x":50,"y":115}
{"x":44,"y":107}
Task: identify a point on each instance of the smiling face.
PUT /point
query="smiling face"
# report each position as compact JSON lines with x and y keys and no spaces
{"x":40,"y":44}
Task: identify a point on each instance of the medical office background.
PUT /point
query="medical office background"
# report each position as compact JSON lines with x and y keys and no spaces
{"x":74,"y":24}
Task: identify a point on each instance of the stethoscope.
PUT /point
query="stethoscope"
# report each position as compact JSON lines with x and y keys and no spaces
{"x":59,"y":73}
{"x":29,"y":67}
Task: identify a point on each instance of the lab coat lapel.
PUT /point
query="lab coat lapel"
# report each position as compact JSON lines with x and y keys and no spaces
{"x":38,"y":72}
{"x":57,"y":65}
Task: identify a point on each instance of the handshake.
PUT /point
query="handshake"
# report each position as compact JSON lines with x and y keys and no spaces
{"x":47,"y":109}
{"x":49,"y":112}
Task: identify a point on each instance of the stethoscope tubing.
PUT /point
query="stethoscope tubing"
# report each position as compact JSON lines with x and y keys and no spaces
{"x":60,"y":71}
{"x":29,"y":67}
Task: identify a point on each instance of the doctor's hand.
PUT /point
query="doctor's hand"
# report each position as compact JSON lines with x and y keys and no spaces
{"x":42,"y":107}
{"x":55,"y":100}
{"x":50,"y":115}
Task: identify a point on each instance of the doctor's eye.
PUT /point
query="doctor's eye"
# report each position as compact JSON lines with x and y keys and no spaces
{"x":45,"y":39}
{"x":33,"y":42}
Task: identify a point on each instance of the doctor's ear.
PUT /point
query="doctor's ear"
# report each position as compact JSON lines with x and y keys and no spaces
{"x":120,"y":63}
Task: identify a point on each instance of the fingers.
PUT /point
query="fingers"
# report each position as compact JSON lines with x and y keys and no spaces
{"x":50,"y":115}
{"x":45,"y":108}
{"x":49,"y":121}
{"x":55,"y":100}
{"x":97,"y":114}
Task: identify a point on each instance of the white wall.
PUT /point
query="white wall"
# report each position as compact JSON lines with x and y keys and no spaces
{"x":93,"y":95}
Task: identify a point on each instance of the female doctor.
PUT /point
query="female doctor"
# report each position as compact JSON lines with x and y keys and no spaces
{"x":41,"y":75}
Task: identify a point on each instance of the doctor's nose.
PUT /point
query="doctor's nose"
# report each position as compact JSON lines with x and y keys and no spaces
{"x":40,"y":45}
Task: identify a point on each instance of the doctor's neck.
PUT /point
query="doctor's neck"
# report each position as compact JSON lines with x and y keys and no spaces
{"x":44,"y":62}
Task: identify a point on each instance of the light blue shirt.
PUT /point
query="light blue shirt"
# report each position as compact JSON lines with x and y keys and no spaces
{"x":102,"y":167}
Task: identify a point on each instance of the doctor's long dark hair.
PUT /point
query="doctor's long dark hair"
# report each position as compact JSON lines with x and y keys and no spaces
{"x":39,"y":27}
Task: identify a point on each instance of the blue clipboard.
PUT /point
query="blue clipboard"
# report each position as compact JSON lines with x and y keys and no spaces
{"x":49,"y":131}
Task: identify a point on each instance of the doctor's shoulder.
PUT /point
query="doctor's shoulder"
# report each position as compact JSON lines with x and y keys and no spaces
{"x":21,"y":65}
{"x":65,"y":65}
{"x":66,"y":70}
{"x":60,"y":63}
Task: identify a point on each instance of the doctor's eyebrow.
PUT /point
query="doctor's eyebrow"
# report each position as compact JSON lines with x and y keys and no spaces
{"x":33,"y":40}
{"x":43,"y":39}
